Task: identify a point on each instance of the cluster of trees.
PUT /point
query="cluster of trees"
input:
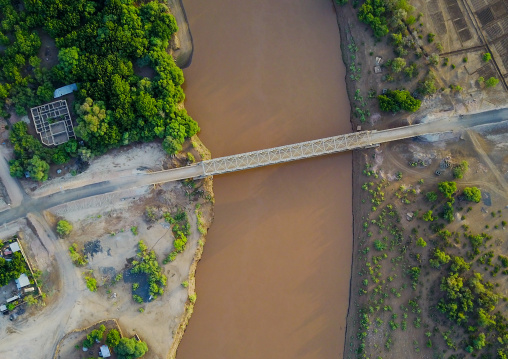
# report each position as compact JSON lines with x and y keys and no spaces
{"x":180,"y":229}
{"x":99,"y":44}
{"x":381,"y":15}
{"x":10,"y":270}
{"x":148,"y":264}
{"x":396,"y":100}
{"x":130,"y":348}
{"x":23,"y":82}
{"x":125,"y":348}
{"x":33,"y":158}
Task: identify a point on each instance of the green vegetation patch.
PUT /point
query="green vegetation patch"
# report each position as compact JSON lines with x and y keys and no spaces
{"x":99,"y":46}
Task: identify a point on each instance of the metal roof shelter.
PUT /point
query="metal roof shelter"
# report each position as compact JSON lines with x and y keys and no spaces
{"x":53,"y":123}
{"x":14,"y":247}
{"x":62,"y":91}
{"x":22,"y":281}
{"x":105,"y":353}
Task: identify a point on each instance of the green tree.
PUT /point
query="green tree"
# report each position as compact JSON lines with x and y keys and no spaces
{"x":473,"y":194}
{"x":428,"y":85}
{"x":487,"y":57}
{"x":38,"y":168}
{"x":421,"y":242}
{"x":398,"y":64}
{"x":448,"y":212}
{"x":113,"y":338}
{"x":491,"y":82}
{"x":427,"y":216}
{"x":130,"y":348}
{"x":63,"y":228}
{"x":431,"y":196}
{"x":379,"y":245}
{"x":448,"y":189}
{"x":171,"y":146}
{"x":459,"y":170}
{"x":459,"y":264}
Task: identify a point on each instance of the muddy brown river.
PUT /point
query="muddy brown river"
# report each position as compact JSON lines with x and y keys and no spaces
{"x":274,"y":278}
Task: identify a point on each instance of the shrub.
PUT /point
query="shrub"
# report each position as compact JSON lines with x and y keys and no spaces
{"x":398,"y":64}
{"x":113,"y":338}
{"x":427,"y":216}
{"x":63,"y":228}
{"x":448,"y":189}
{"x":431,"y":196}
{"x":379,"y":245}
{"x":491,"y":82}
{"x":486,"y":57}
{"x":421,"y":242}
{"x":192,"y":298}
{"x":430,"y":37}
{"x":459,"y":170}
{"x":91,"y":283}
{"x":134,"y":230}
{"x":394,"y":101}
{"x":130,"y":348}
{"x":473,"y":194}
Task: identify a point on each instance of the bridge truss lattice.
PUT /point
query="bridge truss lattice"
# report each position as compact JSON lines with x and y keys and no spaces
{"x":287,"y":153}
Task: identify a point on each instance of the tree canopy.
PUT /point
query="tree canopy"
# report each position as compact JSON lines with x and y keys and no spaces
{"x":100,"y":46}
{"x":396,"y":100}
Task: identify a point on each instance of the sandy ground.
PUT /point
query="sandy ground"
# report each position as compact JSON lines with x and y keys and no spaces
{"x":112,"y":165}
{"x":76,"y":306}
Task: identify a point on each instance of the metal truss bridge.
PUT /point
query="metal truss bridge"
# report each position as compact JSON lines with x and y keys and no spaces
{"x":303,"y":150}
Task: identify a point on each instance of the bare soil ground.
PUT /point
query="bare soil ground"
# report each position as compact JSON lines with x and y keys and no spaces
{"x":484,"y":149}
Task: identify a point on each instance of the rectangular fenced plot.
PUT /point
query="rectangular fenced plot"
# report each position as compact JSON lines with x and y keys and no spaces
{"x":465,"y":35}
{"x":460,"y":23}
{"x":493,"y":31}
{"x":504,"y":24}
{"x":485,"y":16}
{"x":433,"y":6}
{"x":478,"y":4}
{"x":499,"y":10}
{"x":486,"y":71}
{"x":454,"y":12}
{"x":505,"y":63}
{"x":439,"y":23}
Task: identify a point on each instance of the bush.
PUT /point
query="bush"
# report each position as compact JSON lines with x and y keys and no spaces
{"x":486,"y":57}
{"x":431,"y":196}
{"x":448,"y":189}
{"x":113,"y":338}
{"x":473,"y":194}
{"x":394,"y":101}
{"x":427,"y":216}
{"x":430,"y":37}
{"x":91,"y":283}
{"x":421,"y":242}
{"x":459,"y":170}
{"x":63,"y":228}
{"x":491,"y":82}
{"x":398,"y":64}
{"x":130,"y":348}
{"x":379,"y":245}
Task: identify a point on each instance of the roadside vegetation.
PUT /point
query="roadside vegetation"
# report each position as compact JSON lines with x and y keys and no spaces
{"x":100,"y":45}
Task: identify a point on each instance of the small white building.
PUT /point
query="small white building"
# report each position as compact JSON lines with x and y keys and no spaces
{"x":105,"y":353}
{"x":14,"y":247}
{"x":22,"y":281}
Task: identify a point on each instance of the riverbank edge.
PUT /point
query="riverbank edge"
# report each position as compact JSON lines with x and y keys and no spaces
{"x":182,"y":44}
{"x":207,"y":223}
{"x":355,"y":173}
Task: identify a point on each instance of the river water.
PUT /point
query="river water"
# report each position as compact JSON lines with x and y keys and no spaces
{"x":274,"y":278}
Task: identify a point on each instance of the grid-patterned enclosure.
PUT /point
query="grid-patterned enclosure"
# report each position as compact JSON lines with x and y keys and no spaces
{"x":53,"y":123}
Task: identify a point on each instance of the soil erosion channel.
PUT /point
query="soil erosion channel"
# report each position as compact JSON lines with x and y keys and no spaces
{"x":274,"y":278}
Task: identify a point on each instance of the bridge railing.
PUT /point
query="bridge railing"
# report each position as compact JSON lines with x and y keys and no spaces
{"x":287,"y":153}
